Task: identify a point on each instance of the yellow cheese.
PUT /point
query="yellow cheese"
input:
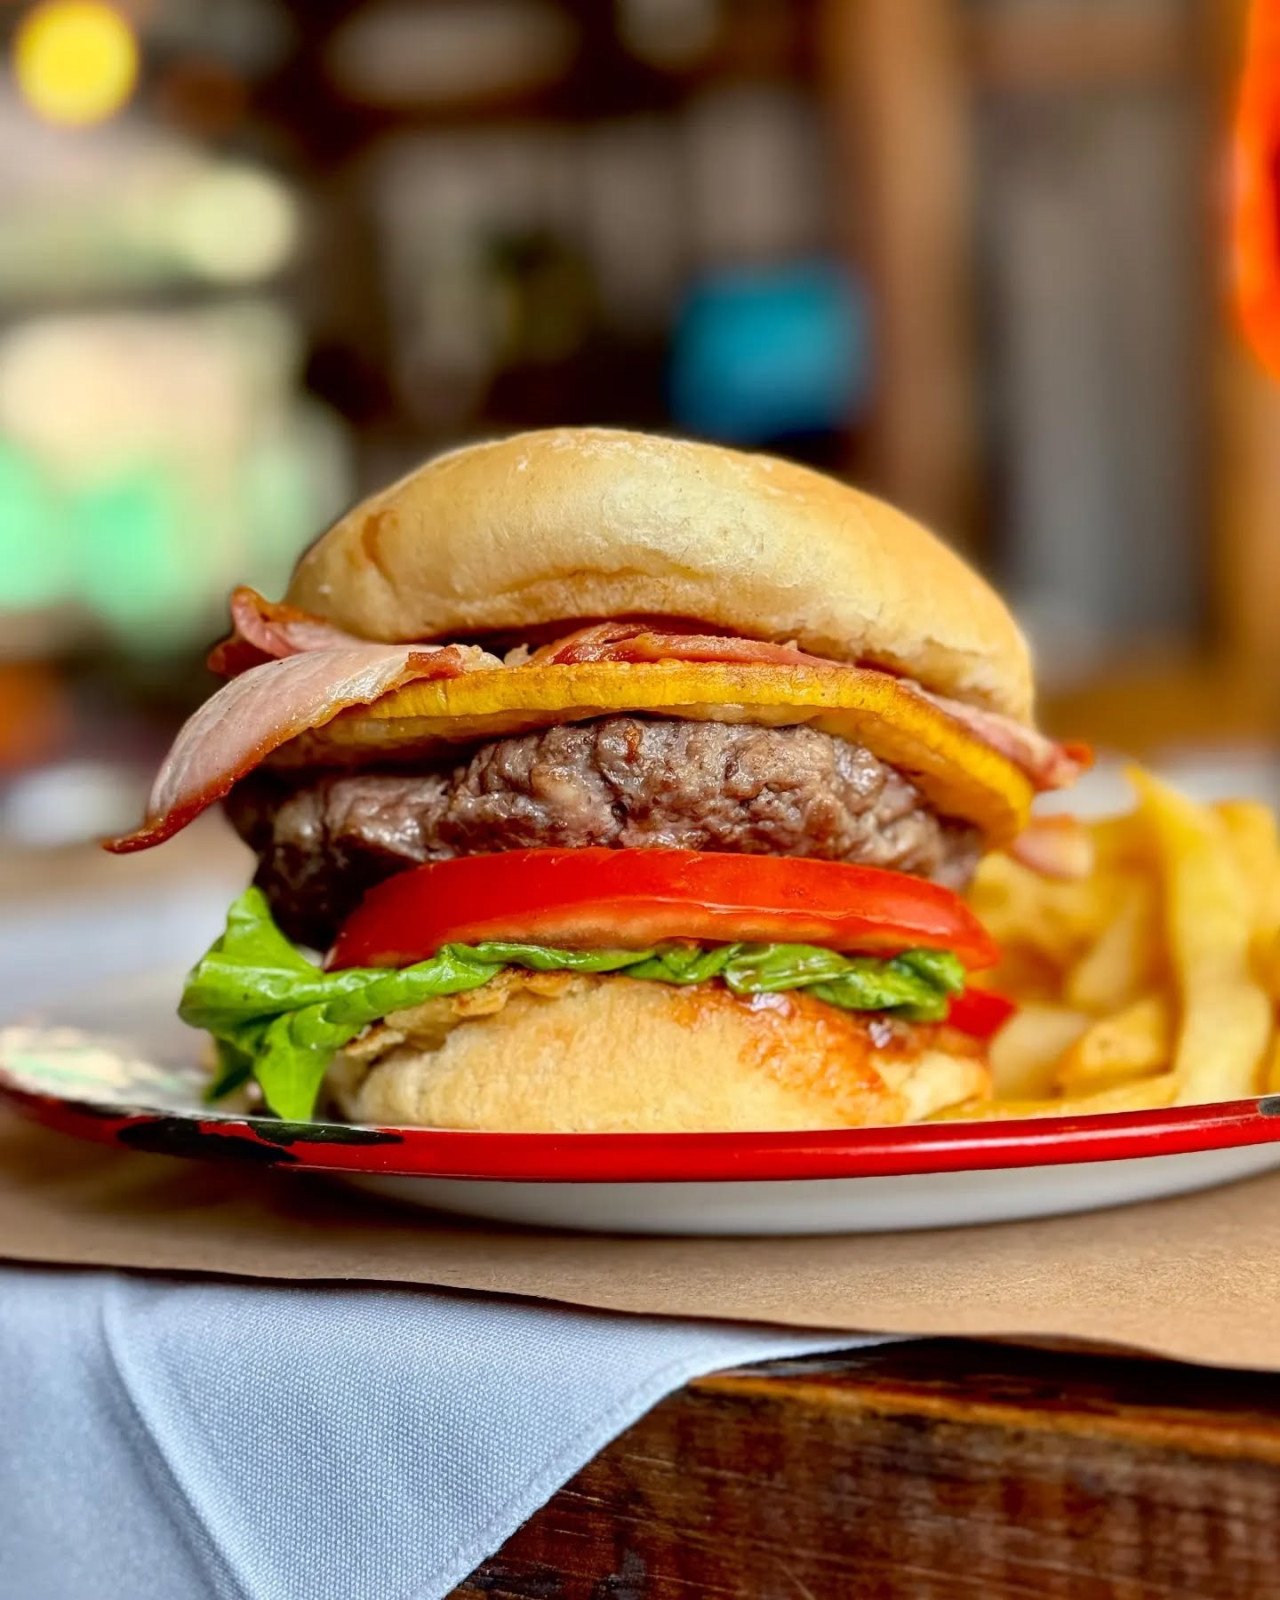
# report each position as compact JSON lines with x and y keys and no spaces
{"x":960,"y":775}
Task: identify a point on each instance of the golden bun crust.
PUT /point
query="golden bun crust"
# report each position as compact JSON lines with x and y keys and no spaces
{"x":595,"y":1055}
{"x":577,"y":523}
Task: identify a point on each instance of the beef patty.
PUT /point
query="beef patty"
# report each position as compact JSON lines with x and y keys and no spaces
{"x":621,"y":781}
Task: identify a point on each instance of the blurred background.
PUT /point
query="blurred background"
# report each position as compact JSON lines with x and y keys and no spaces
{"x":1011,"y":263}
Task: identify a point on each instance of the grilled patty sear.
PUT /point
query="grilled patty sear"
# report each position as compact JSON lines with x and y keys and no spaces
{"x":621,"y":782}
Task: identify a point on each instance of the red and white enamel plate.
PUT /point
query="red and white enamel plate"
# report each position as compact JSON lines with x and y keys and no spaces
{"x":120,"y":1069}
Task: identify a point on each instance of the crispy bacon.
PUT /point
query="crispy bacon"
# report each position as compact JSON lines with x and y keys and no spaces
{"x":1059,"y":847}
{"x":1048,"y":764}
{"x":291,"y":672}
{"x":269,"y":630}
{"x":269,"y":704}
{"x":638,"y":642}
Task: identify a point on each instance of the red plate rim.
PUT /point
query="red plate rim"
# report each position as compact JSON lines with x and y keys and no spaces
{"x":917,"y":1150}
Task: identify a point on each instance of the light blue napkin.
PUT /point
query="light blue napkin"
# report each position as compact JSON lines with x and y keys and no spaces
{"x":189,"y":1439}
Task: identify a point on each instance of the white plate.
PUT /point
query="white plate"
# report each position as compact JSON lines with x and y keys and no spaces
{"x":118,"y":1067}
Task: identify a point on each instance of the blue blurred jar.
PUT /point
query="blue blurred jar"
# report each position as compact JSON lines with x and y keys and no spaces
{"x":762,"y":355}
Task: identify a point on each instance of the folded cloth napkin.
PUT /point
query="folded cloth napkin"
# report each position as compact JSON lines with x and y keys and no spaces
{"x":166,"y":1437}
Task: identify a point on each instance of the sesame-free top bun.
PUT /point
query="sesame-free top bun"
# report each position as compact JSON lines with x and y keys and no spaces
{"x":599,"y":1054}
{"x":583,"y":523}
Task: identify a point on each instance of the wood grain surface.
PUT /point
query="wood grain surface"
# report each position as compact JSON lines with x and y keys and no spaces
{"x":933,"y":1470}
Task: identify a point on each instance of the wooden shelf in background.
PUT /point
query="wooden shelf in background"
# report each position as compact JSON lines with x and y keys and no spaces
{"x":896,"y":88}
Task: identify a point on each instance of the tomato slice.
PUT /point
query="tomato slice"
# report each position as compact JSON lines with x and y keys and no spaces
{"x":980,"y":1012}
{"x":633,"y":899}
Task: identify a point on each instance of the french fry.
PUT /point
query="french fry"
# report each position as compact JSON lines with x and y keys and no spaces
{"x":1226,"y":1016}
{"x":1251,"y":828}
{"x":1029,"y":975}
{"x":1025,"y":1053}
{"x":1125,"y":959}
{"x":1147,"y":1094}
{"x":1122,"y":845}
{"x":1056,"y":920}
{"x":1266,"y":963}
{"x":1153,"y":980}
{"x":1134,"y":1043}
{"x":1256,"y":842}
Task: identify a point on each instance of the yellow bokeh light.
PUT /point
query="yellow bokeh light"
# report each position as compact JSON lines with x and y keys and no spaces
{"x":76,"y":61}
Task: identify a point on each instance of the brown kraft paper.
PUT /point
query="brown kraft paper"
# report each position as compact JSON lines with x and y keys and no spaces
{"x":1196,"y":1278}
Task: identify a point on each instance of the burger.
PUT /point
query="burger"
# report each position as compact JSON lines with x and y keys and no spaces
{"x":607,"y":782}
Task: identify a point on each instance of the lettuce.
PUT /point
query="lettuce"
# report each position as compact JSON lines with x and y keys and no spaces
{"x":279,"y":1018}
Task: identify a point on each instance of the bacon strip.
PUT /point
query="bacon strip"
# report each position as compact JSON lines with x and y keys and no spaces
{"x":291,"y":672}
{"x":1059,"y":847}
{"x":266,"y":706}
{"x":268,"y":630}
{"x":638,"y":642}
{"x":1048,"y":764}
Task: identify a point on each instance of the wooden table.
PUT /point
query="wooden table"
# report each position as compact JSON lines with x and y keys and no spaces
{"x":932,"y":1470}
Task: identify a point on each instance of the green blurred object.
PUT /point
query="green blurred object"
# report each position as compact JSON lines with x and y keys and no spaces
{"x":125,"y":536}
{"x":150,"y":461}
{"x":35,"y":561}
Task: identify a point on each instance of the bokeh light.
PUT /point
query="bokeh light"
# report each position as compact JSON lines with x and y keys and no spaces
{"x":234,"y":225}
{"x":75,"y":61}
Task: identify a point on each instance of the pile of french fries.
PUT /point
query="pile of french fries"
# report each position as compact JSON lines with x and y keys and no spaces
{"x":1148,"y":978}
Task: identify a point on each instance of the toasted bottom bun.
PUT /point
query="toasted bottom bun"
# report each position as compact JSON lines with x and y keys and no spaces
{"x":560,"y":1053}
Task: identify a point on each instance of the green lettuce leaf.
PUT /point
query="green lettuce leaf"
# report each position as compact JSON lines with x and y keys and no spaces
{"x":278,"y":1017}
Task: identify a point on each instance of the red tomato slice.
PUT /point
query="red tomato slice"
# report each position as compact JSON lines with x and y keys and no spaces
{"x":980,"y":1012}
{"x":632,"y":899}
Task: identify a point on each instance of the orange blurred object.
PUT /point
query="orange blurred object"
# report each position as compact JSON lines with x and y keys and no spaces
{"x":1256,"y":175}
{"x":35,"y":717}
